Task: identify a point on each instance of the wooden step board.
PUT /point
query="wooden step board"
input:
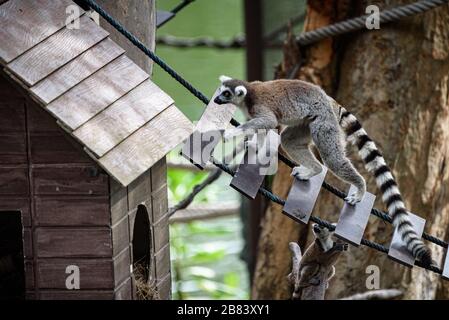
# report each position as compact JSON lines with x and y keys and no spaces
{"x":398,"y":251}
{"x":354,"y":218}
{"x":302,"y":197}
{"x":445,"y":274}
{"x":208,"y":131}
{"x":250,"y":174}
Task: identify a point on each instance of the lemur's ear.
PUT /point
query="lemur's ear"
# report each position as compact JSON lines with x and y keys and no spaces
{"x":240,"y":91}
{"x":224,"y":78}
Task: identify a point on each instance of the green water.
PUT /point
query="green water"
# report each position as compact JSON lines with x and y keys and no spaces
{"x":219,"y":19}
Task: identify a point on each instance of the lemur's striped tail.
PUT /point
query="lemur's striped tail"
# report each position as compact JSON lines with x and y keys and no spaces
{"x":375,"y":163}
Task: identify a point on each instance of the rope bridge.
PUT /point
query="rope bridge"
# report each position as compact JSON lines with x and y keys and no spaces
{"x":304,"y":39}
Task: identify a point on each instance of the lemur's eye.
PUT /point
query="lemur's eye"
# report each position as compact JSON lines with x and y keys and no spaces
{"x":227,"y":94}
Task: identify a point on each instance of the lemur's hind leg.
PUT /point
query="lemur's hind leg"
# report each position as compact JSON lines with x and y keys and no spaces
{"x":295,"y":141}
{"x":327,"y":137}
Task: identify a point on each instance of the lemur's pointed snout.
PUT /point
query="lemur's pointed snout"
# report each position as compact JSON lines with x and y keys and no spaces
{"x":218,"y":100}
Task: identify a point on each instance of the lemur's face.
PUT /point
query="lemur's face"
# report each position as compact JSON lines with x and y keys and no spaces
{"x":321,"y":233}
{"x":230,"y":91}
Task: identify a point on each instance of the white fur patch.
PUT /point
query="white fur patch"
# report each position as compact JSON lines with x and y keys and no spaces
{"x":367,"y":148}
{"x":384,"y":177}
{"x":391,"y":191}
{"x":241,"y":91}
{"x":224,"y":78}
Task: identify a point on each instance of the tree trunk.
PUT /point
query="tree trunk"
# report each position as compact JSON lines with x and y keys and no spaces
{"x":396,"y":81}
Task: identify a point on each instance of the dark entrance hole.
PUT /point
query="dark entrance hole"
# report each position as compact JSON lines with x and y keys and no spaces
{"x":142,"y":243}
{"x":12,"y":273}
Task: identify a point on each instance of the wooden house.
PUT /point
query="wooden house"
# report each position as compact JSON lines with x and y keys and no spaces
{"x":83,"y":136}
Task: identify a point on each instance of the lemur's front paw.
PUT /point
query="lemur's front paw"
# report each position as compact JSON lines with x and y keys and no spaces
{"x":354,"y":198}
{"x":302,"y":173}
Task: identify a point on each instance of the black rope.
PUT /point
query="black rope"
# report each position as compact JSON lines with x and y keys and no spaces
{"x":358,"y":23}
{"x":203,"y":98}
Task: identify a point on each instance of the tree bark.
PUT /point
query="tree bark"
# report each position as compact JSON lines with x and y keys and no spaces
{"x":395,"y":80}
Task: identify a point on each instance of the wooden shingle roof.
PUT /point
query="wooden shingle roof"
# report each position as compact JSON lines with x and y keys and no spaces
{"x":86,"y":81}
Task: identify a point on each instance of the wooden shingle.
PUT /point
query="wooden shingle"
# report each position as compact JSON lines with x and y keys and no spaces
{"x":44,"y":16}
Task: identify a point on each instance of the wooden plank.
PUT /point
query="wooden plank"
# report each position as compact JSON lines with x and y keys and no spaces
{"x":29,"y":274}
{"x":76,"y":71}
{"x":249,"y":175}
{"x":164,"y":287}
{"x":302,"y":197}
{"x":69,"y":180}
{"x":12,"y":114}
{"x":159,"y":203}
{"x":139,"y":191}
{"x":122,"y":266}
{"x":118,"y":200}
{"x":56,"y":148}
{"x":27,"y":243}
{"x":398,"y":251}
{"x":72,"y":211}
{"x":445,"y":274}
{"x":39,"y":120}
{"x":124,"y":291}
{"x":55,"y":51}
{"x":51,"y":294}
{"x":24,"y":23}
{"x":120,"y":236}
{"x":10,"y":203}
{"x":162,"y":260}
{"x":14,"y":181}
{"x":97,"y":92}
{"x":214,"y":119}
{"x":145,"y":147}
{"x":94,"y":273}
{"x":73,"y":242}
{"x":354,"y":218}
{"x":13,"y":148}
{"x":114,"y":124}
{"x":161,"y":233}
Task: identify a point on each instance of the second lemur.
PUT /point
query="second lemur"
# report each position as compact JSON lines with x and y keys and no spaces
{"x":312,"y":116}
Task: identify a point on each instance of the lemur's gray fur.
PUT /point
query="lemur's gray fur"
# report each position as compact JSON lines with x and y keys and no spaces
{"x":312,"y":116}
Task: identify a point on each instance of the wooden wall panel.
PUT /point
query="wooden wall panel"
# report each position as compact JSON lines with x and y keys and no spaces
{"x":119,"y":201}
{"x":94,"y":273}
{"x":28,"y":243}
{"x":13,"y":148}
{"x":139,"y":190}
{"x":124,"y":291}
{"x":16,"y":17}
{"x":122,"y":263}
{"x":29,"y":274}
{"x":14,"y":181}
{"x":72,"y":211}
{"x":56,"y":148}
{"x":76,"y":294}
{"x":161,"y":234}
{"x":120,"y":236}
{"x":73,"y":180}
{"x":71,"y":242}
{"x":12,"y":112}
{"x":159,"y":203}
{"x":40,"y":120}
{"x":162,"y":261}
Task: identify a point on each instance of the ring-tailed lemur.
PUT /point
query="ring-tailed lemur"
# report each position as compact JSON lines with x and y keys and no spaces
{"x":317,"y":263}
{"x":311,"y":115}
